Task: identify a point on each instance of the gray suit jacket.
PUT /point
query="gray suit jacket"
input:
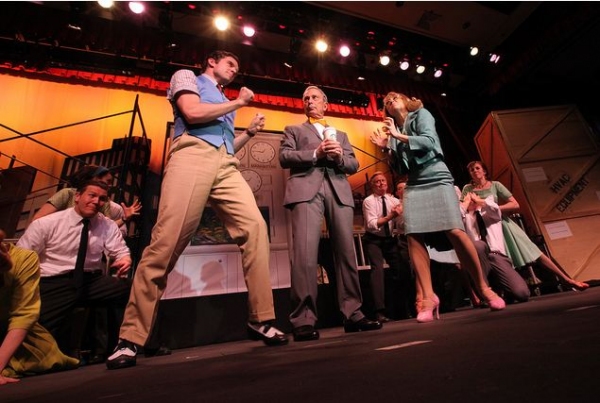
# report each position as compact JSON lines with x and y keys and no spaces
{"x":296,"y":152}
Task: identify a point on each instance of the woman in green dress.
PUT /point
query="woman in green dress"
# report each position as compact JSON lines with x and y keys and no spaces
{"x":519,"y":246}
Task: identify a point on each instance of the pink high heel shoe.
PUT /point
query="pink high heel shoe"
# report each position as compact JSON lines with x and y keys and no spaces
{"x":428,"y":308}
{"x":494,"y":301}
{"x":578,"y":285}
{"x":419,"y":302}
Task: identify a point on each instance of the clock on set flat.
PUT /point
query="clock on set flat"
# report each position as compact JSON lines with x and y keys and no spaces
{"x":253,"y":178}
{"x":262,"y":152}
{"x":241,"y":153}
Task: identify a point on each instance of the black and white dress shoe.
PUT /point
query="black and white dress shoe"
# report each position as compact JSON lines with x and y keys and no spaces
{"x":123,"y":356}
{"x":362,"y":325}
{"x":269,"y":334}
{"x":305,"y":333}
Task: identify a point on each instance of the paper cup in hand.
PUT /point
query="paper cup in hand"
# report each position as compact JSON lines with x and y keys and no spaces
{"x":329,"y":133}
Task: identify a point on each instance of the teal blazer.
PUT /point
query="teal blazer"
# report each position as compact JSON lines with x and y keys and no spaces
{"x":423,"y":147}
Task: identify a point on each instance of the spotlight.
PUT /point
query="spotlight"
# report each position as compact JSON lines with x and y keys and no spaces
{"x":344,"y":51}
{"x":474,"y":50}
{"x":321,"y":45}
{"x":494,"y":58}
{"x":106,"y":3}
{"x":249,"y":31}
{"x":420,"y":69}
{"x":404,"y":65}
{"x":438,"y":73}
{"x":384,"y":60}
{"x":136,"y":7}
{"x":222,"y":23}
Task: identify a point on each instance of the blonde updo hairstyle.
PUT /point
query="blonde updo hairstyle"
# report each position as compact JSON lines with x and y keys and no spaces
{"x":412,"y":104}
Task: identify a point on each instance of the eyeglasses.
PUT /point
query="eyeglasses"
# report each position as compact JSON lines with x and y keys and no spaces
{"x":392,"y":100}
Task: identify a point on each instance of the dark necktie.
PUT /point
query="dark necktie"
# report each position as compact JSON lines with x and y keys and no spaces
{"x":386,"y":227}
{"x":80,"y":262}
{"x":481,"y":226}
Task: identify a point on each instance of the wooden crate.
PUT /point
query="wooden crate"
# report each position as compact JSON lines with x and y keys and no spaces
{"x":550,"y":160}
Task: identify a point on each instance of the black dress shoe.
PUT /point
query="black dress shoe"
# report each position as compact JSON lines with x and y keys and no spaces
{"x":362,"y":325}
{"x":156,"y":351}
{"x":305,"y":333}
{"x":97,"y":359}
{"x":381,"y":318}
{"x":269,"y":335}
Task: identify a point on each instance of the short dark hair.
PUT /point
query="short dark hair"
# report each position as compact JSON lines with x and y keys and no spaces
{"x":84,"y":185}
{"x":86,"y":174}
{"x":218,"y":55}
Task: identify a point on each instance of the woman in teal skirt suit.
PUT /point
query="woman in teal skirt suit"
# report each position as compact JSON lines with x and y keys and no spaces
{"x":519,"y":246}
{"x":430,"y":202}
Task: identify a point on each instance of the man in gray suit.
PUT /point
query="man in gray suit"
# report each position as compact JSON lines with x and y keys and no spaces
{"x":319,"y":160}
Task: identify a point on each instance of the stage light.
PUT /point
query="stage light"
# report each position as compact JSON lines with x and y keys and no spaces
{"x":420,"y":69}
{"x":344,"y":51}
{"x":474,"y":51}
{"x":438,"y":73}
{"x":221,"y":23}
{"x":136,"y":7}
{"x":384,"y":60}
{"x":321,"y":45}
{"x":494,"y":58}
{"x":404,"y":65}
{"x":249,"y":31}
{"x":106,"y":3}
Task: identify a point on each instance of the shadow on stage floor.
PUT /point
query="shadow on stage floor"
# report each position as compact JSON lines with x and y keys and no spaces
{"x":547,"y":349}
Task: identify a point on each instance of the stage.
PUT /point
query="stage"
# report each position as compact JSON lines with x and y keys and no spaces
{"x":544,"y":350}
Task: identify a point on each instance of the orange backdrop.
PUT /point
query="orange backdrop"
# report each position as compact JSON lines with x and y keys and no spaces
{"x":34,"y":105}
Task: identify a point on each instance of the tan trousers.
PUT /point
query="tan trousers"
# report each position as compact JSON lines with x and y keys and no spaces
{"x":195,"y":174}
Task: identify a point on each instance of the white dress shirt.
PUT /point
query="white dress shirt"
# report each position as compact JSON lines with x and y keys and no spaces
{"x":55,"y":238}
{"x":373,"y":210}
{"x":492,"y":218}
